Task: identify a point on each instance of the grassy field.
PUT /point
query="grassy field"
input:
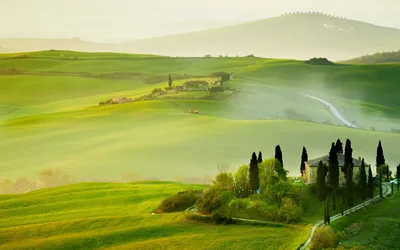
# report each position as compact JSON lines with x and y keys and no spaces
{"x":148,"y":138}
{"x":45,"y":121}
{"x":375,"y":228}
{"x":118,"y":216}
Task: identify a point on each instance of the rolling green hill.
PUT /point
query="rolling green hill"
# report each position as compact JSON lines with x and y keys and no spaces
{"x":383,"y":57}
{"x":49,"y":107}
{"x":300,"y":36}
{"x":118,"y":216}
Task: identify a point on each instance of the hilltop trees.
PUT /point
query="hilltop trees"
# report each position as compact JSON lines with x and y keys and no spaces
{"x":348,"y":157}
{"x":304,"y":158}
{"x":259,"y":159}
{"x":279,"y":163}
{"x":370,"y":191}
{"x":333,"y":177}
{"x":339,"y":146}
{"x":254,"y":174}
{"x":363,"y":181}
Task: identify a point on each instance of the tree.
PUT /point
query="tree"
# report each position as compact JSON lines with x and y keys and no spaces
{"x":348,"y":157}
{"x":254,"y":174}
{"x":320,"y":184}
{"x":370,"y":184}
{"x":339,"y":146}
{"x":380,"y":158}
{"x":333,"y":176}
{"x":304,"y":158}
{"x":278,"y":154}
{"x":169,"y":81}
{"x":350,"y":186}
{"x":241,"y":181}
{"x":398,"y":172}
{"x":363,"y":181}
{"x":259,"y":159}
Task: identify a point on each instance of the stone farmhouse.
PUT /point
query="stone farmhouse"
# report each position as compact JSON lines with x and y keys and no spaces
{"x":310,"y":174}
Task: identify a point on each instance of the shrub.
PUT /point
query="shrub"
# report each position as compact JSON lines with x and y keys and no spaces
{"x":156,"y":90}
{"x":239,"y":204}
{"x":289,"y":212}
{"x":324,"y":238}
{"x":224,"y":180}
{"x":178,"y":202}
{"x":218,"y":218}
{"x":277,"y":191}
{"x":213,"y":198}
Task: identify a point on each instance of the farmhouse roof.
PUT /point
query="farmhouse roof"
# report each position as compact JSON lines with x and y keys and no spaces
{"x":325,"y":160}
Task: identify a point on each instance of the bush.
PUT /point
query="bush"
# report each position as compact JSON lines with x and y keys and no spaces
{"x":289,"y":212}
{"x":239,"y":204}
{"x":324,"y":238}
{"x":218,"y":218}
{"x":178,"y":202}
{"x":213,"y":198}
{"x":156,"y":90}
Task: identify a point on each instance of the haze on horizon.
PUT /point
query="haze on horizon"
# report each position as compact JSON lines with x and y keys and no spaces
{"x":119,"y":20}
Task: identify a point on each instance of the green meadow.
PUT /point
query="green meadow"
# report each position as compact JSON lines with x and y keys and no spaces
{"x":52,"y":121}
{"x":118,"y":216}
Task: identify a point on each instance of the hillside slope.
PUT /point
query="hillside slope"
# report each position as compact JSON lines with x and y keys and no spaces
{"x":383,"y":57}
{"x":298,"y":36}
{"x":118,"y":216}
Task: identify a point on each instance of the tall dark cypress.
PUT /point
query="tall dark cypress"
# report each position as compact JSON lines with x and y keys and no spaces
{"x":169,"y":80}
{"x":348,"y":157}
{"x":304,"y":158}
{"x":370,"y":184}
{"x":278,"y":154}
{"x":339,"y":146}
{"x":398,"y":172}
{"x":259,"y":159}
{"x":350,"y":186}
{"x":254,"y":174}
{"x":363,"y":181}
{"x":333,"y":176}
{"x":380,"y":158}
{"x":321,"y":184}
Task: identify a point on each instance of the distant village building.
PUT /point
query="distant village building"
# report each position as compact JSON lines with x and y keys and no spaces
{"x":195,"y":86}
{"x":310,"y":175}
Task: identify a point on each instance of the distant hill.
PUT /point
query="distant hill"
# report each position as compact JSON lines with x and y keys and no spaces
{"x":384,"y":57}
{"x":37,"y":44}
{"x":298,"y":36}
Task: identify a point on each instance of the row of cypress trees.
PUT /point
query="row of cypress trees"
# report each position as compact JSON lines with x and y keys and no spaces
{"x":325,"y":189}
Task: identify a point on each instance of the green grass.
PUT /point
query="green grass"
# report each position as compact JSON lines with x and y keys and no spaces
{"x":374,"y":228}
{"x":151,"y":137}
{"x":118,"y":216}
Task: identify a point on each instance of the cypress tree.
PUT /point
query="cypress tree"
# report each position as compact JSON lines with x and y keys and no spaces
{"x":339,"y":146}
{"x":370,"y":184}
{"x":350,"y":186}
{"x":278,"y":154}
{"x":363,"y":181}
{"x":320,"y":184}
{"x":169,"y":80}
{"x":380,"y":158}
{"x":348,"y":157}
{"x":253,"y":174}
{"x":259,"y":159}
{"x":333,"y":176}
{"x":304,"y":158}
{"x":398,"y":172}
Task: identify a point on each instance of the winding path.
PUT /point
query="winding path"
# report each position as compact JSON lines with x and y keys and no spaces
{"x":333,"y":110}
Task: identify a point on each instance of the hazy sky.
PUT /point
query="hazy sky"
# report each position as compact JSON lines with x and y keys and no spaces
{"x":129,"y":19}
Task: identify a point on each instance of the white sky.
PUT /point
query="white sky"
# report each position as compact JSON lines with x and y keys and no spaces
{"x":129,"y":19}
